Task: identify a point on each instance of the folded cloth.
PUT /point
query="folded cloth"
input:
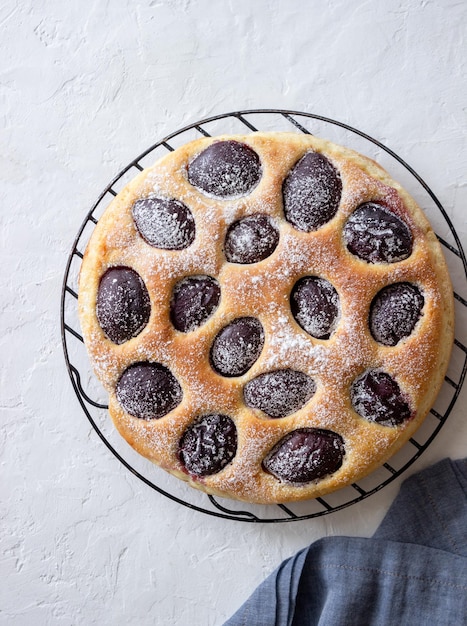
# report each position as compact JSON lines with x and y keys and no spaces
{"x":412,"y":571}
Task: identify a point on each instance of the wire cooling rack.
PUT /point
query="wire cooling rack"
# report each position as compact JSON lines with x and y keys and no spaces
{"x":93,"y":398}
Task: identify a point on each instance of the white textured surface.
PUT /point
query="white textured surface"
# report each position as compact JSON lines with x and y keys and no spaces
{"x":84,"y":87}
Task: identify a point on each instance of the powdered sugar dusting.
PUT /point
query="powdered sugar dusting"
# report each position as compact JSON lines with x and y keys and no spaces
{"x":288,"y":345}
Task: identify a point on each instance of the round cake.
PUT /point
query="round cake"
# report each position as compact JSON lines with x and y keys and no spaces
{"x":271,"y":315}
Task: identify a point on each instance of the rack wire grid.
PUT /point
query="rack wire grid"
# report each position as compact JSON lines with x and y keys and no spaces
{"x":93,"y":399}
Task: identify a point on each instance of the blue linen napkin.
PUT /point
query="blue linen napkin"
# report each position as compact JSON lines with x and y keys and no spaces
{"x":412,"y":571}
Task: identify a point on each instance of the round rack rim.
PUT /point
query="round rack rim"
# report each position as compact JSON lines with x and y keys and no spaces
{"x":84,"y":399}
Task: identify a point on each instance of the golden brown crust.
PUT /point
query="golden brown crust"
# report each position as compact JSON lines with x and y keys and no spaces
{"x":263,"y":290}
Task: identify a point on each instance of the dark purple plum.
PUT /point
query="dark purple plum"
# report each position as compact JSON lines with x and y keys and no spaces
{"x":306,"y":454}
{"x":237,"y":346}
{"x":194,"y":300}
{"x":311,"y":192}
{"x":376,"y":235}
{"x":279,"y":393}
{"x":208,"y":445}
{"x":315,"y":305}
{"x":394,"y":312}
{"x":164,"y":223}
{"x":225,"y":169}
{"x":377,"y":397}
{"x":123,"y":305}
{"x":148,"y":390}
{"x":251,"y":239}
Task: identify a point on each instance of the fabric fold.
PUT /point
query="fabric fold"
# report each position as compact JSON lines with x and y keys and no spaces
{"x":412,"y":571}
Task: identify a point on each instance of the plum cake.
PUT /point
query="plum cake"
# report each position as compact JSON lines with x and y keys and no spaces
{"x":271,"y":315}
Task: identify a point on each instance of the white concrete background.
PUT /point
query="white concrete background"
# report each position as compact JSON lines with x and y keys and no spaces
{"x":85,"y":86}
